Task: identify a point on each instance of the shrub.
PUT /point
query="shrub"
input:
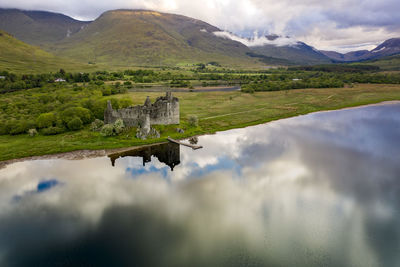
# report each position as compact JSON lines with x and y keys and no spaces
{"x":98,"y":108}
{"x":119,"y":126}
{"x":32,"y":132}
{"x":3,"y":128}
{"x":75,"y":124}
{"x":82,"y":113}
{"x":46,"y":120}
{"x":107,"y":130}
{"x":96,"y":125}
{"x":106,"y":91}
{"x":20,"y":127}
{"x":193,"y":121}
{"x":125,"y":102}
{"x":53,"y":130}
{"x":114,"y":103}
{"x":247,"y":90}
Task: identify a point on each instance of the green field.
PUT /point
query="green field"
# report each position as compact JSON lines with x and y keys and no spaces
{"x":216,"y":111}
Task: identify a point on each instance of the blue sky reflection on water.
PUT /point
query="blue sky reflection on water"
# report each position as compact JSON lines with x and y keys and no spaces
{"x":315,"y":190}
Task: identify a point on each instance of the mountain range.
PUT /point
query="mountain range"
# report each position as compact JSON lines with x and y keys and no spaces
{"x":132,"y":37}
{"x":388,"y":48}
{"x":149,"y":38}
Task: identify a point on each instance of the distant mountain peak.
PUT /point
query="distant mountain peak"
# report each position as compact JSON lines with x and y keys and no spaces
{"x":387,"y":48}
{"x":393,"y":42}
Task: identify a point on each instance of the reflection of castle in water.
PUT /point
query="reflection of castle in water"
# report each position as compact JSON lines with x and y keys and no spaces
{"x":168,"y":153}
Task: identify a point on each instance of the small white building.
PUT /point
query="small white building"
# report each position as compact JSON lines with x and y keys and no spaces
{"x":59,"y":80}
{"x":2,"y":77}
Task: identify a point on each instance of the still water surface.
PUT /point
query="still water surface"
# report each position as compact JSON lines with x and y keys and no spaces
{"x":316,"y":190}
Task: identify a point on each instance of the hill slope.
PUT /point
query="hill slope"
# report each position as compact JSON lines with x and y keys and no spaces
{"x":38,"y":27}
{"x":391,"y":63}
{"x":138,"y":37}
{"x":16,"y":56}
{"x":388,"y":48}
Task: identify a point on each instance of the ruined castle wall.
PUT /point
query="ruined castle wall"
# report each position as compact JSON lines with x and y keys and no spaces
{"x":132,"y":116}
{"x":165,"y":112}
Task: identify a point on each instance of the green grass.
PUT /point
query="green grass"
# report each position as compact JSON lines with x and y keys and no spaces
{"x":18,"y":57}
{"x":216,"y":111}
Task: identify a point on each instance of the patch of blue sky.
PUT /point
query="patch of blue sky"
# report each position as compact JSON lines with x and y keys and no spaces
{"x":137,"y":172}
{"x":47,"y":185}
{"x":223,"y":163}
{"x":42,"y":186}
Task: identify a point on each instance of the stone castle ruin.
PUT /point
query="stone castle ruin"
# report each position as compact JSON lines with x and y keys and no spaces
{"x":164,"y":111}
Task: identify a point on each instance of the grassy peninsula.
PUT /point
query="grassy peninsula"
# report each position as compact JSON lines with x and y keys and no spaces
{"x":216,"y":111}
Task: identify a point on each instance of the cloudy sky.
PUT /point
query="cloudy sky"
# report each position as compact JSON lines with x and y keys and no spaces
{"x":343,"y":25}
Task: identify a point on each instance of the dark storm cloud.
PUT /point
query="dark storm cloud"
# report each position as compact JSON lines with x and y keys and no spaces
{"x":366,"y":13}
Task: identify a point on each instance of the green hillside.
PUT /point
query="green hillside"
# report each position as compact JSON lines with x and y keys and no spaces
{"x":16,"y":56}
{"x":388,"y":63}
{"x":137,"y":37}
{"x":38,"y":27}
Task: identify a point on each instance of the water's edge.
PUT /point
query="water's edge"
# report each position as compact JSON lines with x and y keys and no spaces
{"x":85,"y":153}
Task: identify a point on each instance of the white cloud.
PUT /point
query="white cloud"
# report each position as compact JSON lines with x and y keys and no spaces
{"x":257,"y":40}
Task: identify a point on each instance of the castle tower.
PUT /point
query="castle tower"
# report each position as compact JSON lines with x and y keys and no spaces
{"x":109,"y":105}
{"x":147,"y":103}
{"x":108,"y":113}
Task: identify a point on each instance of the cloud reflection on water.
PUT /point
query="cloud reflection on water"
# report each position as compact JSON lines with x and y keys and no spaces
{"x":321,"y":189}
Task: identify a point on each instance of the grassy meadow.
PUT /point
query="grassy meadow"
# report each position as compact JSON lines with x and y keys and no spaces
{"x":216,"y":111}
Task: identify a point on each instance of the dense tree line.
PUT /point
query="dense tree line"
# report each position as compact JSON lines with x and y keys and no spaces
{"x":130,"y":78}
{"x":315,"y":79}
{"x":54,"y":109}
{"x":270,"y":85}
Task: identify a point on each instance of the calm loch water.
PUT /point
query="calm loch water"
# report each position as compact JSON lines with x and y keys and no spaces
{"x":315,"y":190}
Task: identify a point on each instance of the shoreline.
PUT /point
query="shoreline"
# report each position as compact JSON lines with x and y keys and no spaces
{"x":87,"y":153}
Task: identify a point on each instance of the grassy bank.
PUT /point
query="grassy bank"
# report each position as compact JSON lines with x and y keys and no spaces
{"x":216,"y":111}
